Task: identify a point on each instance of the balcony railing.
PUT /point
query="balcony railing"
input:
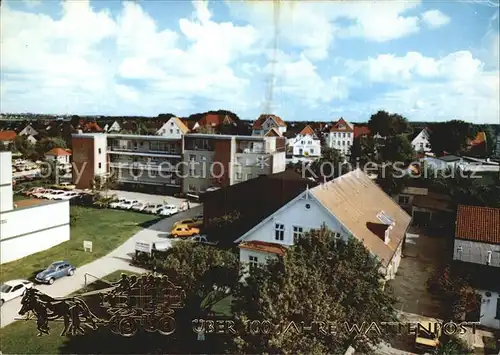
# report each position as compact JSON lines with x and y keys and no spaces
{"x":126,"y":148}
{"x":147,"y":166}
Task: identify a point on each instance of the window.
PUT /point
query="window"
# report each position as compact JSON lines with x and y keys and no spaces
{"x":18,"y":287}
{"x":311,"y":150}
{"x":238,"y":176}
{"x":309,"y":142}
{"x":171,"y":123}
{"x":336,"y":237}
{"x":203,"y":158}
{"x":300,"y":151}
{"x":254,"y":261}
{"x":497,"y":316}
{"x":298,"y":232}
{"x":404,"y":200}
{"x":343,"y":142}
{"x":178,"y":131}
{"x":279,"y":231}
{"x":99,"y":151}
{"x":192,"y":188}
{"x":488,"y":258}
{"x":99,"y":165}
{"x":192,"y":157}
{"x":343,"y":135}
{"x":249,"y":176}
{"x":171,"y":131}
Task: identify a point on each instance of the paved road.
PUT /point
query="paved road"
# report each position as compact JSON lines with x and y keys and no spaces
{"x":118,"y":259}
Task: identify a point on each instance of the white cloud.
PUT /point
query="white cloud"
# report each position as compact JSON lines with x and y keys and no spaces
{"x":435,"y":18}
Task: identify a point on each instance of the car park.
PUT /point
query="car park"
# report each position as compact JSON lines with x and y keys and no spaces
{"x":183,"y":230}
{"x":55,"y":271}
{"x":13,"y":289}
{"x":168,"y":210}
{"x":154,"y":208}
{"x":127,"y":204}
{"x":139,"y":206}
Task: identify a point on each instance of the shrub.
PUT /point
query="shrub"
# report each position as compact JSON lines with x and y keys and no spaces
{"x":453,"y":346}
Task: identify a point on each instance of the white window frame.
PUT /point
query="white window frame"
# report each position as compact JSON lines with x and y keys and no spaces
{"x":336,"y":237}
{"x":253,"y":261}
{"x":279,"y":231}
{"x":297,"y":232}
{"x":192,"y":188}
{"x":238,"y":176}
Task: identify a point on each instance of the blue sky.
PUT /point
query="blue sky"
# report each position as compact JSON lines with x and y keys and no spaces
{"x":305,"y":60}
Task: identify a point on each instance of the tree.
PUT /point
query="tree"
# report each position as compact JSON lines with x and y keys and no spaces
{"x":388,"y":124}
{"x":364,"y":150}
{"x":397,"y":149}
{"x":450,"y":137}
{"x":329,"y":166}
{"x":319,"y":279}
{"x":46,"y":144}
{"x":23,"y":146}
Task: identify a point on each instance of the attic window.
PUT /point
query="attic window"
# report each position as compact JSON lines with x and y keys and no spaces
{"x":385,"y":218}
{"x":171,"y":123}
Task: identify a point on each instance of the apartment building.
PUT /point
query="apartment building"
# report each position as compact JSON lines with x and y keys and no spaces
{"x":215,"y":160}
{"x":341,"y":137}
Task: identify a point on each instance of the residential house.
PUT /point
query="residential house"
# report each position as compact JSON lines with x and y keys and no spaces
{"x":28,"y":226}
{"x":28,"y":131}
{"x":31,"y":139}
{"x":216,"y":160}
{"x":361,"y":131}
{"x":7,"y":137}
{"x":478,"y":144}
{"x":274,"y":191}
{"x":341,"y":137}
{"x":266,"y":122}
{"x":173,"y":128}
{"x":114,"y":128}
{"x":476,"y":166}
{"x":305,"y":147}
{"x":351,"y":205}
{"x":213,"y":122}
{"x":421,"y":141}
{"x":477,"y":252}
{"x":59,"y":155}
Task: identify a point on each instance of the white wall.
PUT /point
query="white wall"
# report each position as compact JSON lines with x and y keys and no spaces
{"x":296,"y":215}
{"x":262,"y":258}
{"x":170,"y":129}
{"x":100,"y":156}
{"x":307,"y":144}
{"x":489,"y":309}
{"x":278,"y":162}
{"x":421,"y":142}
{"x":48,"y":226}
{"x":475,"y":252}
{"x":5,"y":182}
{"x":341,"y":141}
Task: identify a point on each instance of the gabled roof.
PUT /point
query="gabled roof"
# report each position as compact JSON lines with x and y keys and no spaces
{"x":481,"y":224}
{"x":341,"y":122}
{"x":273,"y":132}
{"x":356,"y":201}
{"x":7,"y":135}
{"x":307,"y":130}
{"x":265,"y":247}
{"x":361,"y":131}
{"x":214,"y":120}
{"x":58,"y":152}
{"x":264,"y":117}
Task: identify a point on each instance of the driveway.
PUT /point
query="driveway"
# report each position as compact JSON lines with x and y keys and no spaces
{"x":118,"y":259}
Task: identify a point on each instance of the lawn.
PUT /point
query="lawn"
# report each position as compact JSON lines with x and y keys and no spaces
{"x":106,"y":228}
{"x":20,"y":337}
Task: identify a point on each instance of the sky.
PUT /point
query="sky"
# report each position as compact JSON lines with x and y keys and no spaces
{"x":301,"y":60}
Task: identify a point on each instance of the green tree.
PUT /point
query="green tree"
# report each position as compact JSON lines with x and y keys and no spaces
{"x":23,"y":146}
{"x":329,"y":166}
{"x":46,"y":144}
{"x":397,"y":149}
{"x":363,"y":150}
{"x":320,"y":279}
{"x":388,"y":124}
{"x":450,"y":137}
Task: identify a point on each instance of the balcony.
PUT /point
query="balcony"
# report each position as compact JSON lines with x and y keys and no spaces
{"x":165,"y":166}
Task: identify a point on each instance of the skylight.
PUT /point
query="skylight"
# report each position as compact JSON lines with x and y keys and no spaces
{"x":385,"y":218}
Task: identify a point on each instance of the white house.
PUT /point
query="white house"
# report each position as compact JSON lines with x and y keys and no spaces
{"x":28,"y":131}
{"x":115,"y":127}
{"x":31,"y":139}
{"x":174,"y":128}
{"x":421,"y":142}
{"x":477,"y":246}
{"x":305,"y":146}
{"x":341,"y":136}
{"x":28,"y":226}
{"x":350,"y":205}
{"x":267,"y":122}
{"x":59,"y":155}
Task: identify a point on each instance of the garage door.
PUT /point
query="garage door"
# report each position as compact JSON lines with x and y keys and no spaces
{"x":421,"y":218}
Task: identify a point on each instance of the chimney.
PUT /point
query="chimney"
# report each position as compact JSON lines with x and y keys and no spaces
{"x":387,"y":237}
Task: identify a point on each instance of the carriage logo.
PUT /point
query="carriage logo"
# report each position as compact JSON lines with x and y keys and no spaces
{"x":132,"y":302}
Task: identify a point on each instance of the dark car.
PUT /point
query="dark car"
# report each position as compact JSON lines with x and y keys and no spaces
{"x":55,"y":271}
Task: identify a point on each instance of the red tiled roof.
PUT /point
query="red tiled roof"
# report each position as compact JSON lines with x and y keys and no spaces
{"x":361,"y":131}
{"x":213,"y":119}
{"x":481,"y":224}
{"x":307,"y":131}
{"x":57,"y":152}
{"x":92,"y":127}
{"x":262,"y":118}
{"x":265,"y":247}
{"x":480,"y":139}
{"x":7,"y":135}
{"x":347,"y":127}
{"x":273,"y":132}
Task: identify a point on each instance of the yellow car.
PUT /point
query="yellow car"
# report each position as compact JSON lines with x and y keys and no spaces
{"x":191,"y":222}
{"x":183,"y":230}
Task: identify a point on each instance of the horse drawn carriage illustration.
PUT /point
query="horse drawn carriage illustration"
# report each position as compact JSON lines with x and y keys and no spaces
{"x":123,"y":307}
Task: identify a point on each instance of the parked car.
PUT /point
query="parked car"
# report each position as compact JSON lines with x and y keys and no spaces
{"x":69,"y":195}
{"x":12,"y":289}
{"x":39,"y":193}
{"x":33,"y":190}
{"x":168,"y":210}
{"x":55,"y":271}
{"x":56,"y":195}
{"x":153,"y":208}
{"x":183,"y":230}
{"x":192,"y":222}
{"x":47,"y":193}
{"x":67,"y":186}
{"x":116,"y":204}
{"x":127,"y":204}
{"x":139,"y":206}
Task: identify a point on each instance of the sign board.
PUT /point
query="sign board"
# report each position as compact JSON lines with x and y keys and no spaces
{"x":143,"y":246}
{"x":87,"y":245}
